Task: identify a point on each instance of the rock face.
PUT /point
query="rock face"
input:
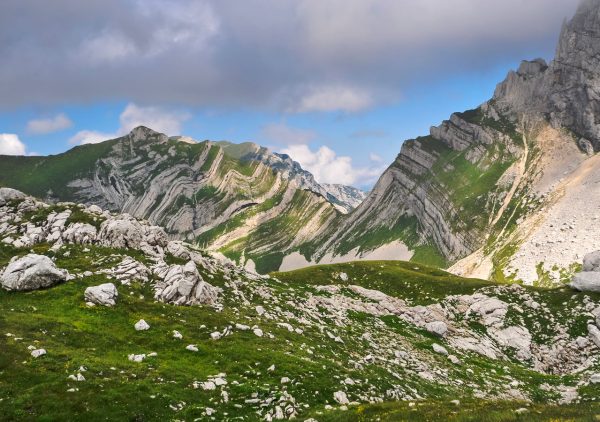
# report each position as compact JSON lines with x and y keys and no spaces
{"x":31,"y":272}
{"x":193,"y":190}
{"x":105,"y":294}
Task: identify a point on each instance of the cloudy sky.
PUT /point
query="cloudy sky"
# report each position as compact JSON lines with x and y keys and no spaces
{"x":337,"y":84}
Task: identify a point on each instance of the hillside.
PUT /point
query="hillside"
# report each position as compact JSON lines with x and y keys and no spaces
{"x":241,"y":200}
{"x":333,"y":342}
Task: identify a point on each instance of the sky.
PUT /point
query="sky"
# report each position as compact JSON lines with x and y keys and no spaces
{"x":336,"y":84}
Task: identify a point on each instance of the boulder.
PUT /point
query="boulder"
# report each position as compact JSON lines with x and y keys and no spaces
{"x":31,"y":272}
{"x":438,"y":328}
{"x":8,"y":194}
{"x":587,"y":281}
{"x":80,"y":233}
{"x":591,"y":261}
{"x":515,"y":337}
{"x":104,"y":294}
{"x":121,"y":232}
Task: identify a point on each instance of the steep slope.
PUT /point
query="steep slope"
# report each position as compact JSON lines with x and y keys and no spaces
{"x":239,"y":199}
{"x":188,"y":337}
{"x":510,"y":182}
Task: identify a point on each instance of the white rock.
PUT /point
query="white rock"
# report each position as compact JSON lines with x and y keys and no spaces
{"x":104,"y":294}
{"x":136,"y":358}
{"x":141,"y":325}
{"x":439,"y":349}
{"x":31,"y":272}
{"x":587,"y":281}
{"x":340,"y":397}
{"x":38,"y":352}
{"x":177,"y":335}
{"x":192,"y":347}
{"x":438,"y":328}
{"x":258,"y":332}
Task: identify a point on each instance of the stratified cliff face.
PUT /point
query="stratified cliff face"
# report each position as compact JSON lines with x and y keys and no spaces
{"x":470,"y":184}
{"x":241,"y":200}
{"x":439,"y":192}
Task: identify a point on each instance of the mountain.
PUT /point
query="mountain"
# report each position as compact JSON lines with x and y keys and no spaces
{"x":102,"y":317}
{"x":347,"y":197}
{"x":239,"y":199}
{"x":504,"y":191}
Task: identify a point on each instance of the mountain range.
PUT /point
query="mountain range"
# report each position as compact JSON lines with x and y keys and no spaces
{"x":500,"y":191}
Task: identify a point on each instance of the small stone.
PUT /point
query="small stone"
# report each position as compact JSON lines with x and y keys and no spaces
{"x":340,"y":397}
{"x":191,"y":347}
{"x":439,"y":349}
{"x":38,"y":352}
{"x":141,"y":325}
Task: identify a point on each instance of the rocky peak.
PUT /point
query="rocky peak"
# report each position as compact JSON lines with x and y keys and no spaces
{"x":145,"y":134}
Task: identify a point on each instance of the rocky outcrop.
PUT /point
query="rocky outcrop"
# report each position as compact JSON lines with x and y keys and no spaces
{"x":183,"y":285}
{"x":31,"y":272}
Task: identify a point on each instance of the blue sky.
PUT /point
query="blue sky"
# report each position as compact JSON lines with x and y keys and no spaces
{"x":337,"y":85}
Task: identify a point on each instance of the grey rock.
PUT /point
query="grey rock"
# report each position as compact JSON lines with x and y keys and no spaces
{"x":183,"y":285}
{"x":439,"y":349}
{"x":8,"y":194}
{"x":31,"y":272}
{"x":439,"y":328}
{"x":104,"y":294}
{"x":594,"y":334}
{"x":587,"y":281}
{"x":591,"y":261}
{"x":121,"y":232}
{"x":80,"y":233}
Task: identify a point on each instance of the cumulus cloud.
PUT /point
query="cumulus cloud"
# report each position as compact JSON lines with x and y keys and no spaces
{"x":157,"y":118}
{"x":301,"y":56}
{"x":49,"y":125}
{"x":328,"y":167}
{"x":10,"y":144}
{"x":281,"y":133}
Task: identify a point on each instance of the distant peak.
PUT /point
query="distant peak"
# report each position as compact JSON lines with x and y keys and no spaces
{"x":143,"y":133}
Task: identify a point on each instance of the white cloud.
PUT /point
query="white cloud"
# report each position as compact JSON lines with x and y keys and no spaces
{"x":10,"y":144}
{"x":90,"y":137}
{"x":49,"y":125}
{"x":374,"y":157}
{"x":328,"y":167}
{"x":333,"y":98}
{"x":281,"y":133}
{"x":156,"y":118}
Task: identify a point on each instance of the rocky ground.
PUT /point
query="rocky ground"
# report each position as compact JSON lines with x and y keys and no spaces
{"x":103,"y":310}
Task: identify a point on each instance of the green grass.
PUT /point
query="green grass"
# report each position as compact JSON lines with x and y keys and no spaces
{"x":419,"y":283}
{"x":466,"y":411}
